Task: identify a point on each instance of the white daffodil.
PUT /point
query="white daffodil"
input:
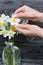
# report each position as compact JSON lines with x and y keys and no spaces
{"x":10,"y":34}
{"x":3,"y":17}
{"x":12,"y":28}
{"x":15,"y":21}
{"x":3,"y":32}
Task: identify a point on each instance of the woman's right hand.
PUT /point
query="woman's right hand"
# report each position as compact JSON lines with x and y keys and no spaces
{"x":27,"y":13}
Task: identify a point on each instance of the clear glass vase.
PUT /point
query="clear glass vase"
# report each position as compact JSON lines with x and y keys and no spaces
{"x":11,"y":55}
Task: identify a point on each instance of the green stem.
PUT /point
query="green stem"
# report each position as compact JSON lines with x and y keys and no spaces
{"x":10,"y":56}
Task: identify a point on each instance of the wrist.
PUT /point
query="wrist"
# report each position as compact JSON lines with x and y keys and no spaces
{"x":40,"y":17}
{"x":40,"y":33}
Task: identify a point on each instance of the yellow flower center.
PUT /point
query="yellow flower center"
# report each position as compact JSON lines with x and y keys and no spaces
{"x":12,"y":28}
{"x":3,"y":32}
{"x":1,"y":23}
{"x":14,"y":20}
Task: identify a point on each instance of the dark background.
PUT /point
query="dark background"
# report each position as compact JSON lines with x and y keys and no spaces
{"x":31,"y":47}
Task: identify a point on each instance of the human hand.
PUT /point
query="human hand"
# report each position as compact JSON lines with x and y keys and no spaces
{"x":27,"y":13}
{"x":29,"y":30}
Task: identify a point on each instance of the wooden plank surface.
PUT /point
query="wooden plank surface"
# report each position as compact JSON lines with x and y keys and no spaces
{"x":5,"y":4}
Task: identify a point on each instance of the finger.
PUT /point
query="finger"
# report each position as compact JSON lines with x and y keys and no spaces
{"x":20,"y":15}
{"x":20,"y":30}
{"x":23,"y":26}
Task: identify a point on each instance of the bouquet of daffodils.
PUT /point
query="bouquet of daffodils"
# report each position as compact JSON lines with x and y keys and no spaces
{"x":11,"y":54}
{"x":6,"y":25}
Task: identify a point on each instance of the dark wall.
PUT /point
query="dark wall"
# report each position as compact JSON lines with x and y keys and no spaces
{"x":31,"y":47}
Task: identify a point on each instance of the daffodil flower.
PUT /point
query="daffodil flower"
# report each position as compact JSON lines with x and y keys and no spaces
{"x":15,"y":20}
{"x":10,"y":34}
{"x":12,"y":28}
